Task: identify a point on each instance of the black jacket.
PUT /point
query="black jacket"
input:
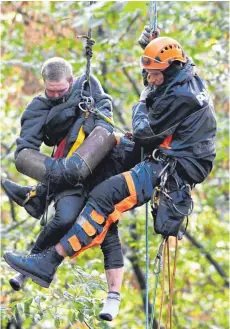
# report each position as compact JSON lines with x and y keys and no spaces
{"x":178,"y":118}
{"x":45,"y":121}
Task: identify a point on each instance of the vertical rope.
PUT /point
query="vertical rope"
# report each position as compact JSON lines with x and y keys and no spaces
{"x":153,"y":15}
{"x":146,"y":259}
{"x":88,"y":54}
{"x":154,"y":299}
{"x":147,"y":264}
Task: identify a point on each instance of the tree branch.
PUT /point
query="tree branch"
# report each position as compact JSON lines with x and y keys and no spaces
{"x":12,"y":208}
{"x":12,"y":227}
{"x":208,"y":257}
{"x":132,"y":81}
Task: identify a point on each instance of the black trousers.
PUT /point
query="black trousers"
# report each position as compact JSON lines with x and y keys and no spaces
{"x":108,"y":201}
{"x":68,"y":208}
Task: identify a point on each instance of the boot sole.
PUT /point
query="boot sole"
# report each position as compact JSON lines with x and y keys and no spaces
{"x":15,"y":284}
{"x":36,"y":279}
{"x":105,"y":317}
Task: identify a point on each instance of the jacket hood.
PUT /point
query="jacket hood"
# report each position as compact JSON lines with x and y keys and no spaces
{"x":174,"y":75}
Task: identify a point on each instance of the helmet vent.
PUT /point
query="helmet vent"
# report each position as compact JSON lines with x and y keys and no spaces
{"x":157,"y":58}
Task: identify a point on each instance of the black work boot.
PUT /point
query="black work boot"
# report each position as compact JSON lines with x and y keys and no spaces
{"x":39,"y":267}
{"x":32,"y":198}
{"x":17,"y":281}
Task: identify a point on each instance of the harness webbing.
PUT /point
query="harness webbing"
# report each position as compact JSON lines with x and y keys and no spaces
{"x":80,"y":139}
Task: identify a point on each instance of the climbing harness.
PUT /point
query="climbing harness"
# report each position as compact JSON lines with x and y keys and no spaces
{"x":168,"y":218}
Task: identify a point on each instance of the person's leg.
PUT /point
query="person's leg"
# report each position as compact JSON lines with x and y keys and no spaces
{"x":85,"y":229}
{"x":114,"y":268}
{"x":106,"y":202}
{"x":67,"y":209}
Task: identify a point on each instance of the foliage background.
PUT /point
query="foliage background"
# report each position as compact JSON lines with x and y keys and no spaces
{"x":33,"y":31}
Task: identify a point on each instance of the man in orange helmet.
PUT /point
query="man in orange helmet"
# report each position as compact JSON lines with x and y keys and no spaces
{"x":174,"y":122}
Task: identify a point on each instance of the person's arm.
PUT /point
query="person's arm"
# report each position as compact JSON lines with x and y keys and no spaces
{"x":142,"y":131}
{"x":32,"y":126}
{"x":152,"y":127}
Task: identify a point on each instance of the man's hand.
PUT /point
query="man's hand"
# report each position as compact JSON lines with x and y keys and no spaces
{"x":147,"y":35}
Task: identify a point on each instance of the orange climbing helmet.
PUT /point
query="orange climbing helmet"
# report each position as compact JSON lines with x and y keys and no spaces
{"x":161,"y":52}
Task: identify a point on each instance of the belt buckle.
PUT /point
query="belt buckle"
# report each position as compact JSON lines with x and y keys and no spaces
{"x":154,"y":155}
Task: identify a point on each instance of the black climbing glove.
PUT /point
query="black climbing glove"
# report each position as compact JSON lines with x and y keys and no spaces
{"x":148,"y":35}
{"x":145,"y":37}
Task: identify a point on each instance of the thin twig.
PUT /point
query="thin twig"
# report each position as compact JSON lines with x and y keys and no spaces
{"x":132,"y":81}
{"x":87,"y":325}
{"x":208,"y":257}
{"x":12,"y":227}
{"x":12,"y":207}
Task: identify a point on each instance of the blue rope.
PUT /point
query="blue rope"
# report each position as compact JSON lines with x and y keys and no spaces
{"x":147,"y":265}
{"x":146,"y":259}
{"x":153,"y":25}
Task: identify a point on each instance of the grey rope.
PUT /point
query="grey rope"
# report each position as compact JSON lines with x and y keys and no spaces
{"x":153,"y":15}
{"x":88,"y":53}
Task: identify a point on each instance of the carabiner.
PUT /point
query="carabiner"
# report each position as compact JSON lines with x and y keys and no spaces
{"x":158,"y":263}
{"x":155,"y":157}
{"x":81,"y":108}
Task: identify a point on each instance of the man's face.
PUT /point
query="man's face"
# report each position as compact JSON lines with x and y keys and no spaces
{"x":57,"y":88}
{"x":155,"y":77}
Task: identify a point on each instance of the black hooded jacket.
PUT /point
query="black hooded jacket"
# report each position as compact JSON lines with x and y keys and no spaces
{"x":49,"y":121}
{"x":177,"y":117}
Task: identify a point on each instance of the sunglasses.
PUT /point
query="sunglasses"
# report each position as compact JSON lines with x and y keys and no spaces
{"x":148,"y":61}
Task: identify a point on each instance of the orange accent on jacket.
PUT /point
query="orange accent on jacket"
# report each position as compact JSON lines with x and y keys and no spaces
{"x":166,"y":142}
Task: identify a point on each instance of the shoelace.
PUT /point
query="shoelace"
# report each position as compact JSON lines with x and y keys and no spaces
{"x":37,"y":255}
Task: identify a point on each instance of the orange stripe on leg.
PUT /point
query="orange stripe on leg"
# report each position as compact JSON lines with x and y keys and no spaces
{"x":98,"y":218}
{"x":75,"y":244}
{"x":88,"y":228}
